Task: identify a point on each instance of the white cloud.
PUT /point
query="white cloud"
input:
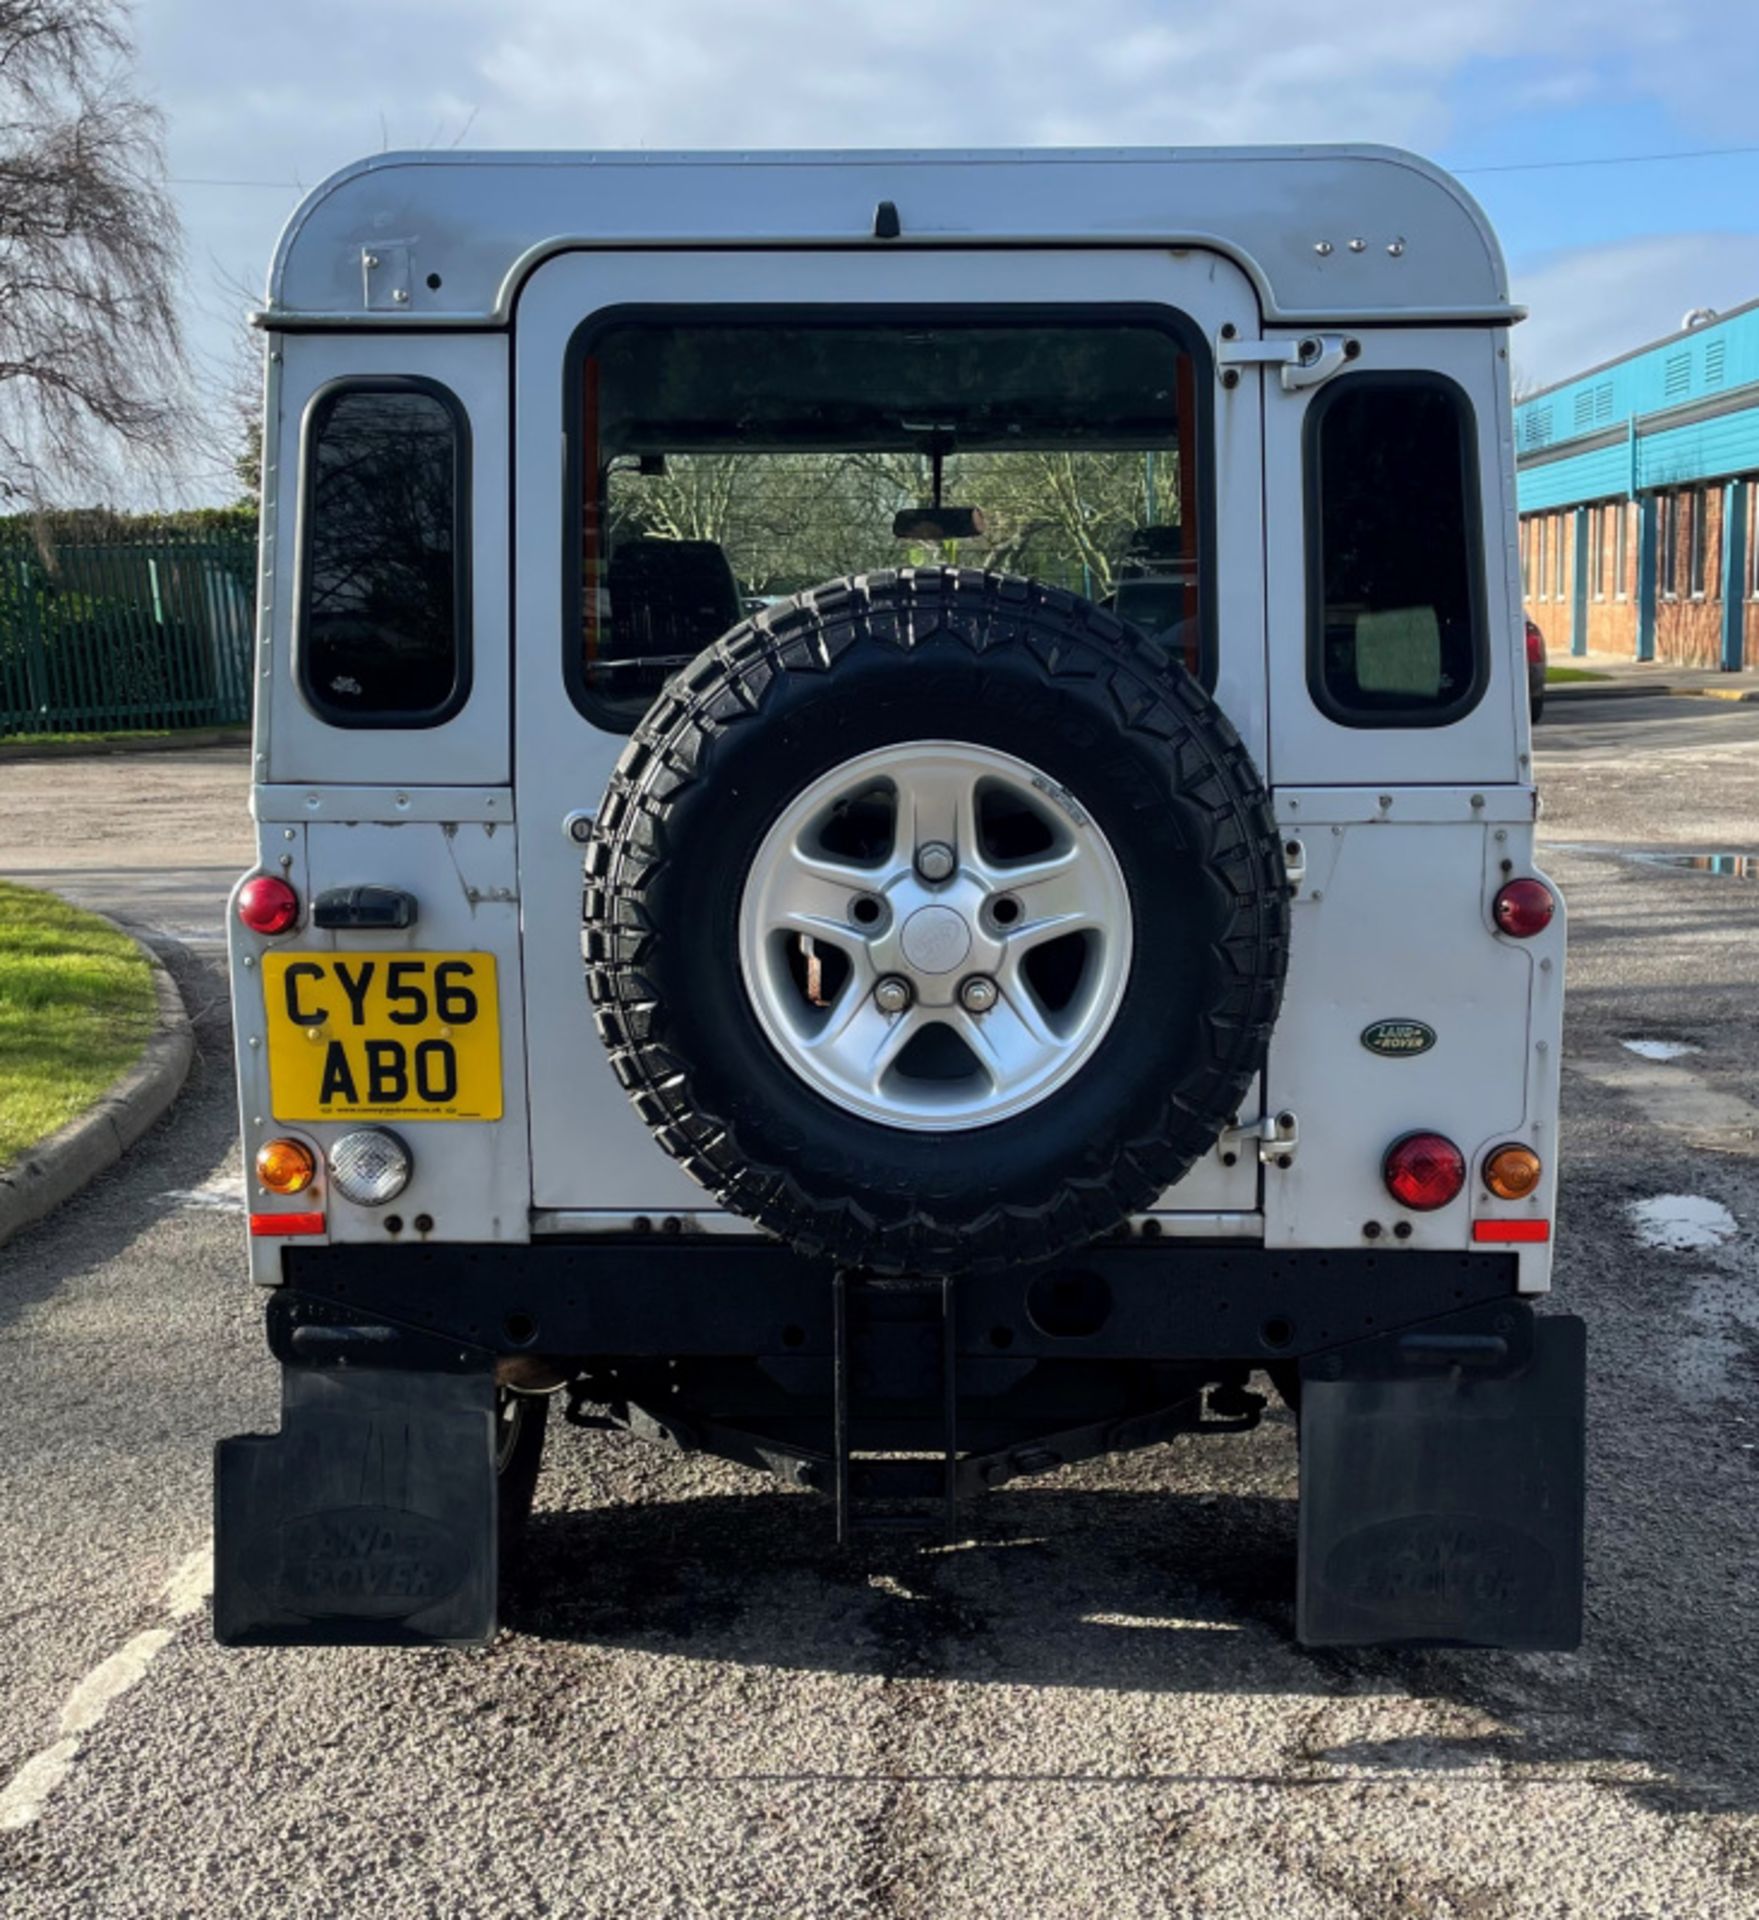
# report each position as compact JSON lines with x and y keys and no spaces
{"x":1598,"y":302}
{"x":257,"y":92}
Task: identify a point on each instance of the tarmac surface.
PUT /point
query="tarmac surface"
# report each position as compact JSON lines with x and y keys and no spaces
{"x":1092,"y":1708}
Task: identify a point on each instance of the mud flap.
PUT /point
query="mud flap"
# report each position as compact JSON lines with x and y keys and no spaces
{"x":1442,"y":1486}
{"x":369,"y":1518}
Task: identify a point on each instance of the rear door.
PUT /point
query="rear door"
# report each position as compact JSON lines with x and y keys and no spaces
{"x":590,"y":1154}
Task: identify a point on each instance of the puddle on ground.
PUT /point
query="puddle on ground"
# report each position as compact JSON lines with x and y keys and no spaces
{"x":1682,"y":1222}
{"x":1731,"y":866}
{"x":1660,"y":1049}
{"x":1728,"y":866}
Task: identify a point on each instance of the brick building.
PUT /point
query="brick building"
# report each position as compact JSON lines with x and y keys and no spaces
{"x":1639,"y":490}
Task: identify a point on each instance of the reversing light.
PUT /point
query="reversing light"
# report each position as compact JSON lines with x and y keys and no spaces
{"x":1424,"y":1171}
{"x":370,"y":1166}
{"x":1524,"y":908}
{"x":1511,"y":1172}
{"x":268,"y":905}
{"x":285,"y":1166}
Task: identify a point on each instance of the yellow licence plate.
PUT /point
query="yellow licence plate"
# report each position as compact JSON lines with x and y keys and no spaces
{"x":383,"y":1036}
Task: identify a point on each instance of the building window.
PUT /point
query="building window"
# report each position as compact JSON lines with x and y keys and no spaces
{"x":1557,"y":556}
{"x":1621,"y":550}
{"x":1667,"y":544}
{"x":1597,"y":549}
{"x":1697,"y":542}
{"x":383,"y":612}
{"x":1393,"y":552}
{"x":1541,"y":578}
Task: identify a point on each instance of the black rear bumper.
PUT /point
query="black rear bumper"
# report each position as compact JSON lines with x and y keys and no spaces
{"x":1441,"y":1442}
{"x":688,"y":1296}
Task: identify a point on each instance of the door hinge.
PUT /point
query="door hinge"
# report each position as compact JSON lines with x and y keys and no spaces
{"x":1307,"y":361}
{"x":1279,"y":1139}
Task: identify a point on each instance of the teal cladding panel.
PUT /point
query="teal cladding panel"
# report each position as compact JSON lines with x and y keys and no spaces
{"x":1703,"y":366}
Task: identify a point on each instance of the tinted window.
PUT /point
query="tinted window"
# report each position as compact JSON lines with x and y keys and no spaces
{"x":381,"y":635}
{"x":724,"y":462}
{"x":1395,"y":538}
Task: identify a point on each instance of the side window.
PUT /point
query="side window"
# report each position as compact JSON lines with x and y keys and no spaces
{"x":383,"y":633}
{"x":1396,"y":628}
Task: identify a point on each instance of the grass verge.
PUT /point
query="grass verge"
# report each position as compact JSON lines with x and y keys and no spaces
{"x":120,"y":737}
{"x":76,"y":1010}
{"x":1562,"y":676}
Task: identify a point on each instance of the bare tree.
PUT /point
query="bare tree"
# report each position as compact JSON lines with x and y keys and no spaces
{"x":90,"y":358}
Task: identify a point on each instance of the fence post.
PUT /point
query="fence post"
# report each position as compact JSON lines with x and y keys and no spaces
{"x":36,"y":654}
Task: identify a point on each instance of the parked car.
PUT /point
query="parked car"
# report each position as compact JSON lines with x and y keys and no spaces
{"x":1008,"y":1033}
{"x":1535,"y":670}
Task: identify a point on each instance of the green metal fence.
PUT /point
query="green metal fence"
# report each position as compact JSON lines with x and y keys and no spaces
{"x":109,"y":634}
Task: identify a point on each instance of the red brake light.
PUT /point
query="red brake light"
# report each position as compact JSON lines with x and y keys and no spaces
{"x":1524,"y":908}
{"x":268,"y":904}
{"x":1535,"y":646}
{"x":1424,"y":1171}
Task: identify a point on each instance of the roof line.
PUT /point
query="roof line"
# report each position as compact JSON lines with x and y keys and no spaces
{"x":1636,"y":353}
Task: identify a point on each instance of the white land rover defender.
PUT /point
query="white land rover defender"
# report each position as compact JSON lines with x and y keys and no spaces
{"x":1074,"y":947}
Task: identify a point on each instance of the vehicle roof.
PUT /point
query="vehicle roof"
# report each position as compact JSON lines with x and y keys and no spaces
{"x":1328,"y":234}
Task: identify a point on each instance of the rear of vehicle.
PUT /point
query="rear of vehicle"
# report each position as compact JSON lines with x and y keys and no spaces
{"x":1029,"y":735}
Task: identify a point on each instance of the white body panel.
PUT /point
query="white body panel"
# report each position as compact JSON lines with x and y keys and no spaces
{"x":472,"y":748}
{"x":589,"y":1150}
{"x":1488,"y":744}
{"x":471,"y":1178}
{"x":1322,"y":233}
{"x":1392,"y":921}
{"x":1404,"y":831}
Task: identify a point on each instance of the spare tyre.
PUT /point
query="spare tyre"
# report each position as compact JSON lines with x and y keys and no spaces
{"x":935,"y":920}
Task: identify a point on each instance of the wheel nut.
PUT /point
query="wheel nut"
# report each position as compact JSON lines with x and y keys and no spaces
{"x":978,"y":994}
{"x":935,"y":860}
{"x":892,"y":995}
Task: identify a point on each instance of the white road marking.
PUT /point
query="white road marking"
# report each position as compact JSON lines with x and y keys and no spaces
{"x":221,"y":1192}
{"x":191,"y":1584}
{"x":1660,"y":1049}
{"x":111,"y":1679}
{"x":1682,"y":1222}
{"x":203,"y":1201}
{"x":23,"y":1797}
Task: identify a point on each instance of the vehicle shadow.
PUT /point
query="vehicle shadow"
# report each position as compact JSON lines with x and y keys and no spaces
{"x":1108,"y":1589}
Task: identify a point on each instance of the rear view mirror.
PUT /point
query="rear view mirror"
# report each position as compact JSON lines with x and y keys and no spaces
{"x":938,"y":523}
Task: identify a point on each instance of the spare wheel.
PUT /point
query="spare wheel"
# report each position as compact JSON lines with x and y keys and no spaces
{"x":935,"y":920}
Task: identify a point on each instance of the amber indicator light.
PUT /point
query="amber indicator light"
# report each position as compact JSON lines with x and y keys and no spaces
{"x":286,"y":1166}
{"x":1512,"y":1172}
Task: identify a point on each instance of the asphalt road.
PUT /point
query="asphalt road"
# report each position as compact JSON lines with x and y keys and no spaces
{"x":1094,"y":1708}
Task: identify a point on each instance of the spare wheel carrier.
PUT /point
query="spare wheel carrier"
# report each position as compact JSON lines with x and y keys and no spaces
{"x":935,"y":921}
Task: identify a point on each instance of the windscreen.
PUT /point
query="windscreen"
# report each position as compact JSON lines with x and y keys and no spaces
{"x":723,"y":464}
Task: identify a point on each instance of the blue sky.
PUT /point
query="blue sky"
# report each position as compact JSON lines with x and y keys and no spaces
{"x":1606,"y":256}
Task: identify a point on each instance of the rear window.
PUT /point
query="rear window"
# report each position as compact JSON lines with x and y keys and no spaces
{"x":1394,"y":552}
{"x":722,"y":462}
{"x":383,"y":638}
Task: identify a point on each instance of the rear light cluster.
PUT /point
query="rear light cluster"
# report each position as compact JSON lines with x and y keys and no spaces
{"x":1424,"y":1171}
{"x":268,"y":905}
{"x":370,"y":1166}
{"x":1524,"y":908}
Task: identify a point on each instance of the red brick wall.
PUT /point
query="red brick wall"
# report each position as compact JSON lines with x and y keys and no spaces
{"x":1688,"y":627}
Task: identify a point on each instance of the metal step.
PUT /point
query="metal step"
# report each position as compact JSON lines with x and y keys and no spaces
{"x":884,"y":1330}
